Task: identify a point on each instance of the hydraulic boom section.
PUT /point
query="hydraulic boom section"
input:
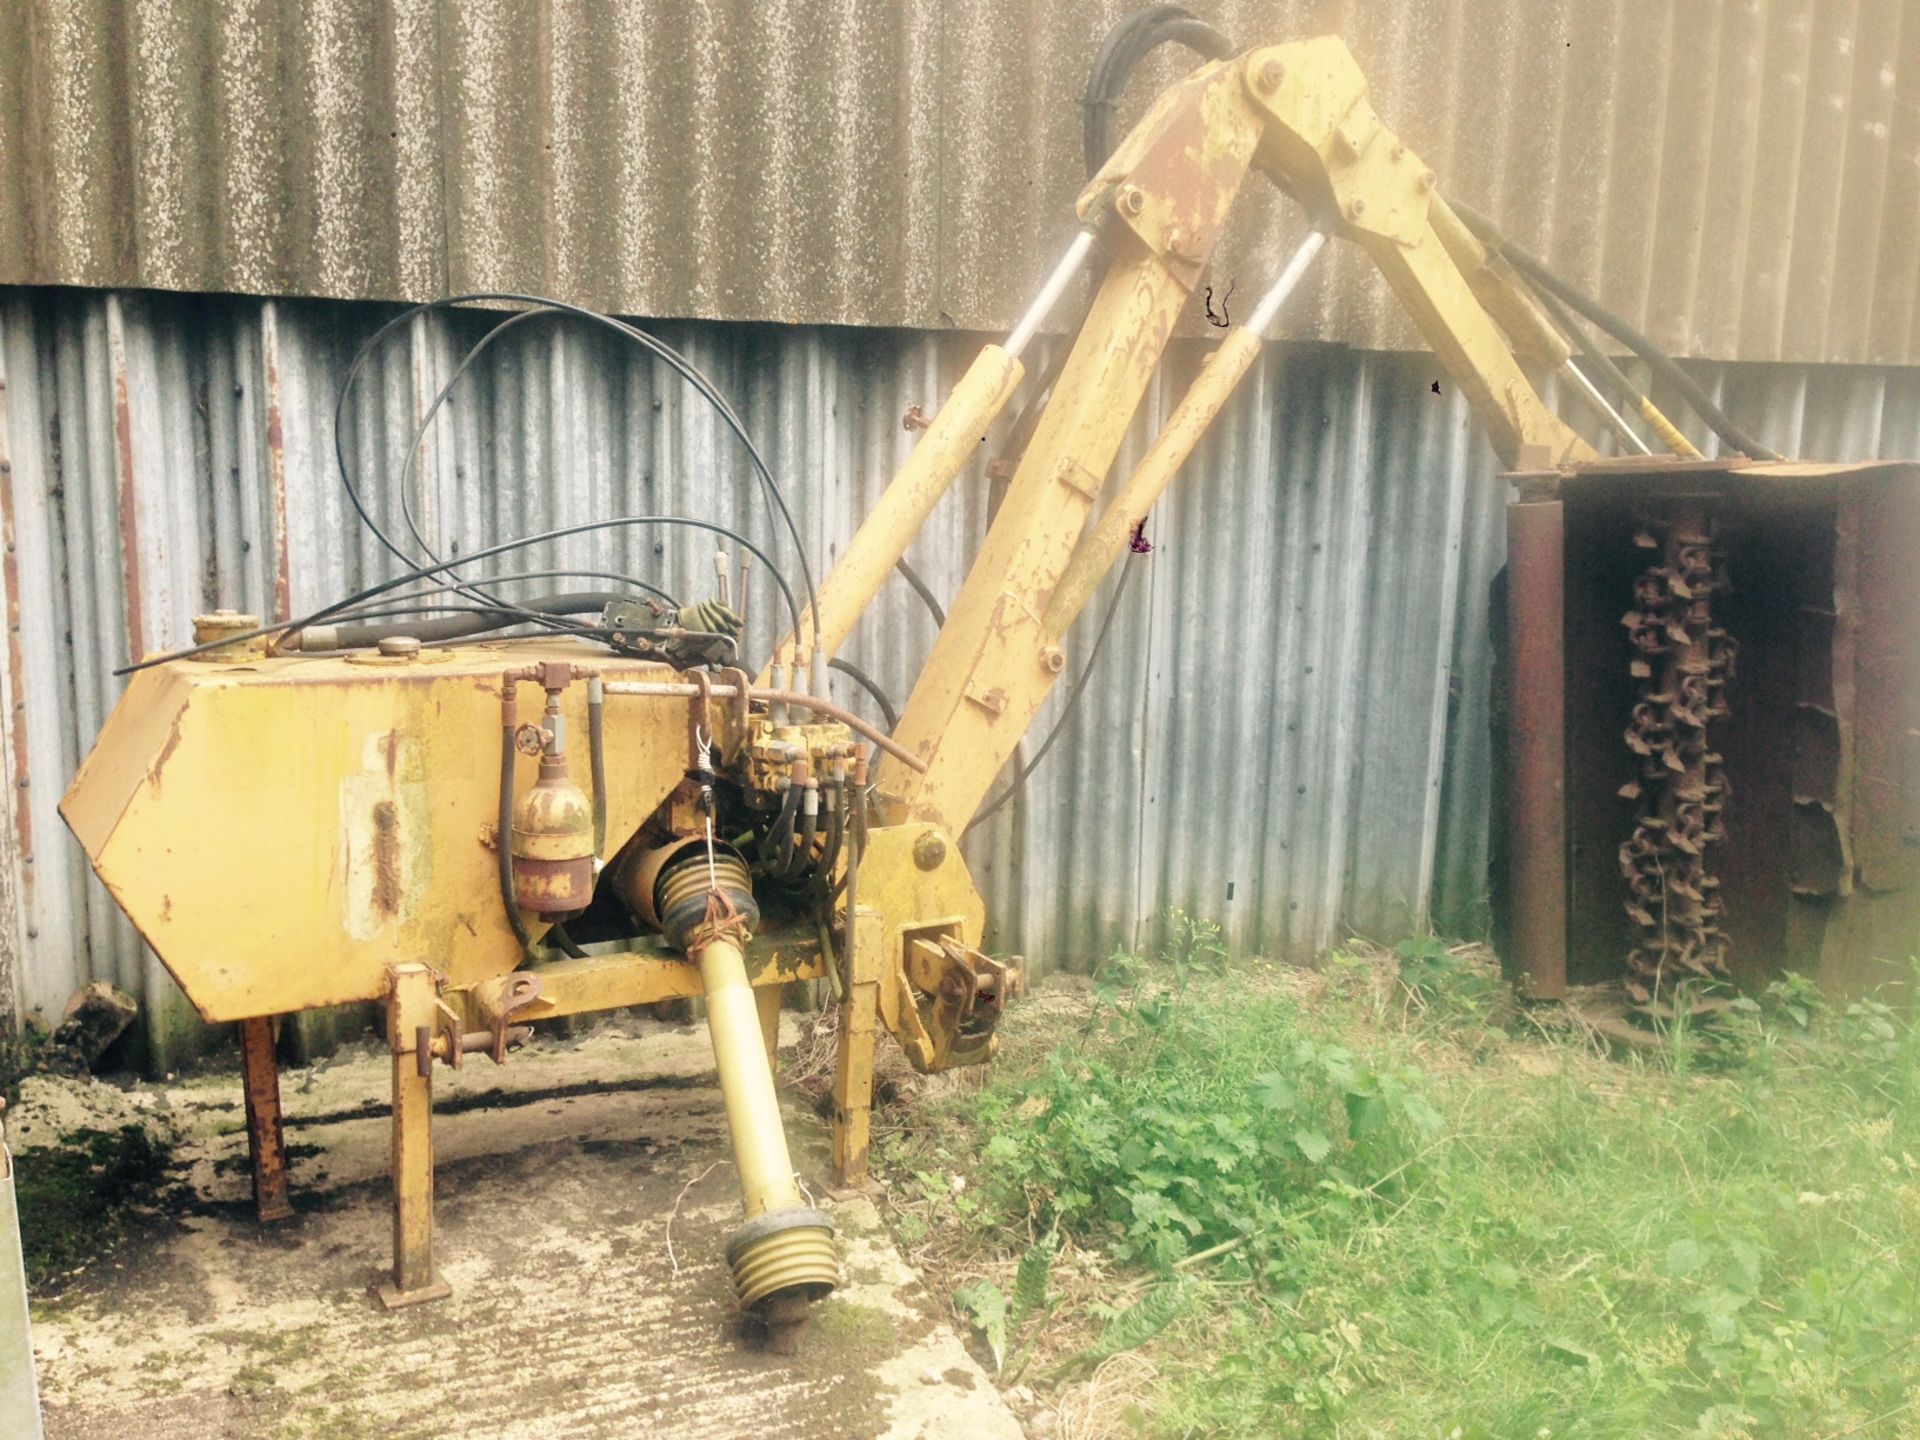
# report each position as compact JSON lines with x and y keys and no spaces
{"x":1299,"y":114}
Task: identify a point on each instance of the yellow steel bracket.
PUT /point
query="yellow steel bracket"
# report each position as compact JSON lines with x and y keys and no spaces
{"x":957,"y":996}
{"x":1174,"y":178}
{"x":1160,"y":202}
{"x":1324,"y":142}
{"x":937,"y":994}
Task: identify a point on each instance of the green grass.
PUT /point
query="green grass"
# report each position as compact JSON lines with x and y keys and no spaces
{"x":79,"y":1199}
{"x":1381,"y":1201}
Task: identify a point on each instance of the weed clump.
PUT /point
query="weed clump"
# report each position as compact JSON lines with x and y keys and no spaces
{"x":1384,"y":1200}
{"x":1176,"y":1126}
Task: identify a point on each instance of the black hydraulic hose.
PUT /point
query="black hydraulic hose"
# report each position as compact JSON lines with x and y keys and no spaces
{"x":1126,"y":45}
{"x":659,"y":349}
{"x":558,"y":934}
{"x":426,"y":422}
{"x":867,"y":683}
{"x":503,"y":835}
{"x":1570,"y":326}
{"x":1537,"y":270}
{"x":510,"y":577}
{"x":836,"y":802}
{"x":802,"y":861}
{"x":779,"y":848}
{"x":597,"y":759}
{"x":923,"y":590}
{"x":424,"y":572}
{"x":479,"y":622}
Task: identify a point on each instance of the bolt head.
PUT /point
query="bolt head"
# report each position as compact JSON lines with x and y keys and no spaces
{"x":930,"y":851}
{"x":1426,"y":179}
{"x":1132,"y":201}
{"x":1270,"y":76}
{"x":1356,"y":207}
{"x":1054,"y":658}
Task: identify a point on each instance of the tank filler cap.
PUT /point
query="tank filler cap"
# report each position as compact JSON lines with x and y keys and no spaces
{"x":223,"y":625}
{"x":400,"y":647}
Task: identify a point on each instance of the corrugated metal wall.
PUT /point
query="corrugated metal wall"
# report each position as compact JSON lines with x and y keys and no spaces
{"x":1288,"y":732}
{"x":1739,"y":175}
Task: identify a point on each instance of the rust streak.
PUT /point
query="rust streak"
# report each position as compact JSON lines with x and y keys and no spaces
{"x":277,"y":470}
{"x":129,"y":509}
{"x":266,"y":1130}
{"x":166,"y":750}
{"x":386,"y":858}
{"x":16,"y":654}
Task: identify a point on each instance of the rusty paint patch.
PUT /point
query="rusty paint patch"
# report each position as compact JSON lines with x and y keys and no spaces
{"x":166,"y":750}
{"x":387,"y":889}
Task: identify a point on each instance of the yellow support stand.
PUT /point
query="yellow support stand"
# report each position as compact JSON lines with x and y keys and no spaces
{"x":853,"y":1070}
{"x":412,"y":1014}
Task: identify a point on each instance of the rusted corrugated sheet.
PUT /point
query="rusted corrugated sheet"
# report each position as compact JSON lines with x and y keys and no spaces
{"x":1742,"y":177}
{"x":1288,"y":732}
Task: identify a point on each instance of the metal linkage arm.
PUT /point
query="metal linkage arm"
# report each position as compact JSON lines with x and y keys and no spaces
{"x":1299,"y":113}
{"x":955,"y":434}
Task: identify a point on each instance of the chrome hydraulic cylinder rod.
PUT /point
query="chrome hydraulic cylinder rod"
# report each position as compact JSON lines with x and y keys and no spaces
{"x":951,"y":440}
{"x":1205,"y":398}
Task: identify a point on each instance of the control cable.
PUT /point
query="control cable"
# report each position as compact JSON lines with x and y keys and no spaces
{"x":504,"y":547}
{"x":654,"y":346}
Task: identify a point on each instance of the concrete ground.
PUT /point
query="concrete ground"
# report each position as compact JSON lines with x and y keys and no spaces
{"x":584,"y":1197}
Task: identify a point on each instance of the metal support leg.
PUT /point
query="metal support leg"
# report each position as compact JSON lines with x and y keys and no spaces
{"x":411,"y":1017}
{"x":266,"y":1137}
{"x":853,"y":1071}
{"x":1536,"y":700}
{"x":767,"y":999}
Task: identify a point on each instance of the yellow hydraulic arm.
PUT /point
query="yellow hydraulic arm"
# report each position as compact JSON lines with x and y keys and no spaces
{"x":1299,"y":113}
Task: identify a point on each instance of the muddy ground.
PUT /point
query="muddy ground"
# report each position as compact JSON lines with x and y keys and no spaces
{"x":584,"y":1196}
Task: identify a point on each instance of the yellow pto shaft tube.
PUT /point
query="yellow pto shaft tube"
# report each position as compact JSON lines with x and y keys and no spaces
{"x":701,"y":897}
{"x":785,"y":1247}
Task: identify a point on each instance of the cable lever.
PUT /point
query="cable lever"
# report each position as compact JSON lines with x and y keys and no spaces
{"x":703,"y":767}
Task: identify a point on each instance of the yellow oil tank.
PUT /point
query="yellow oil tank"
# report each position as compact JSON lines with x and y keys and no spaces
{"x":281,"y":830}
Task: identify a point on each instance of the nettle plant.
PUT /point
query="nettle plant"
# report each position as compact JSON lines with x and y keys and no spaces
{"x":1182,"y":1128}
